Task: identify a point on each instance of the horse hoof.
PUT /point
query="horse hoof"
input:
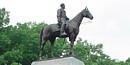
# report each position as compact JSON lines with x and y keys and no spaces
{"x":71,"y":54}
{"x":52,"y":56}
{"x":40,"y":58}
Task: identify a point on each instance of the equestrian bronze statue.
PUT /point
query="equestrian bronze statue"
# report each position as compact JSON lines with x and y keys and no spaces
{"x":71,"y":29}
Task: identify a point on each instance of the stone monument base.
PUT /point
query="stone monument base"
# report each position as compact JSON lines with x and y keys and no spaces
{"x":59,"y":61}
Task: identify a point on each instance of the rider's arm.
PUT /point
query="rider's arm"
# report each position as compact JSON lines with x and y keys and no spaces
{"x":59,"y":15}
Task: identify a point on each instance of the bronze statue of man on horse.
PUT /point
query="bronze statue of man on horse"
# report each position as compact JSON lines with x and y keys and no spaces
{"x":70,"y":30}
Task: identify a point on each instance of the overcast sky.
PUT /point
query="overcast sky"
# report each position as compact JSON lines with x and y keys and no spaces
{"x":110,"y":26}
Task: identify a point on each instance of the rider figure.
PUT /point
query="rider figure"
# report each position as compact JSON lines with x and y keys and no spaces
{"x":61,"y":16}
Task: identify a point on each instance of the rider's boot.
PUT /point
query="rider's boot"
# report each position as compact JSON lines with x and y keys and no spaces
{"x":62,"y":32}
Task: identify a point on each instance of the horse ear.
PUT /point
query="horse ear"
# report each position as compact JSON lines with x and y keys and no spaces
{"x":86,"y":7}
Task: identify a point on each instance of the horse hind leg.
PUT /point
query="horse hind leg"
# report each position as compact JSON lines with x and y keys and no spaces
{"x":41,"y":49}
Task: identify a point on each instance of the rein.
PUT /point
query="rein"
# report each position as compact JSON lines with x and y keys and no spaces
{"x":86,"y":22}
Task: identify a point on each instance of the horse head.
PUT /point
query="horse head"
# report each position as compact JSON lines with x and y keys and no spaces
{"x":87,"y":14}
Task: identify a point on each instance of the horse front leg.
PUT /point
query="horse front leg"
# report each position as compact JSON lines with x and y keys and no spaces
{"x":72,"y":40}
{"x":71,"y":48}
{"x":52,"y":40}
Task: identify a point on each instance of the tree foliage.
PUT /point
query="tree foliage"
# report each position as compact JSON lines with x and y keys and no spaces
{"x":4,"y":17}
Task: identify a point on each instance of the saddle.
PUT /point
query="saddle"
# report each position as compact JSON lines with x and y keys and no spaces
{"x":66,"y":25}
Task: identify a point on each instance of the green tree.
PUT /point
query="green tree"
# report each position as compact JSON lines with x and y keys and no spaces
{"x":4,"y":17}
{"x":127,"y":61}
{"x":15,"y":63}
{"x":21,"y":38}
{"x":91,"y":54}
{"x":13,"y":56}
{"x":2,"y":61}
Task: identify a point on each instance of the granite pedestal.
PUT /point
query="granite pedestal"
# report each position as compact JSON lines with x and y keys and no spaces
{"x":60,"y":61}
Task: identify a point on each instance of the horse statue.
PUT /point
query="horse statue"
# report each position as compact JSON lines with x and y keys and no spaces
{"x":72,"y":29}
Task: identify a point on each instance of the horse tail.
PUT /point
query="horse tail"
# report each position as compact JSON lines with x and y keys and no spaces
{"x":41,"y":34}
